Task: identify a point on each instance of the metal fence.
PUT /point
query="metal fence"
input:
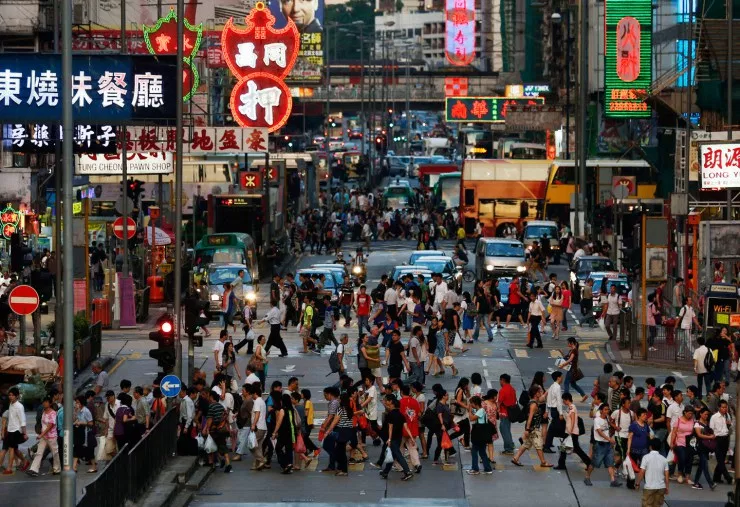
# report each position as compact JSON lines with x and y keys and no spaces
{"x":663,"y":343}
{"x":129,"y":473}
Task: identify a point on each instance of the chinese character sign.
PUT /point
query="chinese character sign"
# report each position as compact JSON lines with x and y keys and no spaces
{"x":105,"y":89}
{"x":484,"y":109}
{"x":161,"y":39}
{"x":202,"y":140}
{"x":9,"y":219}
{"x":628,"y":52}
{"x":460,"y":31}
{"x":719,"y":164}
{"x":308,"y":16}
{"x":260,"y":56}
{"x":137,"y":163}
{"x":42,"y":138}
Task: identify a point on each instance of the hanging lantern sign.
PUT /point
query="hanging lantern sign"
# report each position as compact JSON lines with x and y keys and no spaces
{"x":260,"y":57}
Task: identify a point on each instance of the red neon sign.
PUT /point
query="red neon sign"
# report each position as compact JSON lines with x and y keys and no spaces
{"x":460,"y":31}
{"x":260,"y":56}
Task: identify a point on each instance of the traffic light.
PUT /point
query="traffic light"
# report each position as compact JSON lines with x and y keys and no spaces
{"x":134,"y":190}
{"x":165,"y":337}
{"x":19,"y":253}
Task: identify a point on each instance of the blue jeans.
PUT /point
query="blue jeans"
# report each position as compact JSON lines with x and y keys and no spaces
{"x":486,"y":318}
{"x":685,"y":459}
{"x":346,"y":313}
{"x":706,"y":380}
{"x":569,"y":382}
{"x":398,"y":456}
{"x":362,"y":323}
{"x":476,"y":450}
{"x":330,"y":442}
{"x":504,"y":428}
{"x":719,"y":370}
{"x":703,"y":468}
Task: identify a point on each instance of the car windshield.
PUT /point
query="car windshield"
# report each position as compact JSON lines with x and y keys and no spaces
{"x":419,"y":255}
{"x":221,"y":275}
{"x":210,"y":255}
{"x":591,"y":265}
{"x":537,"y":231}
{"x":433,"y":266}
{"x":505,"y":250}
{"x":620,"y":283}
{"x":328,"y":282}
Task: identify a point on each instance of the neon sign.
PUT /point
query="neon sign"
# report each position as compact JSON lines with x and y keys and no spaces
{"x":628,"y":58}
{"x":460,"y":31}
{"x":9,"y":219}
{"x":484,"y":109}
{"x":161,"y":39}
{"x":260,"y":57}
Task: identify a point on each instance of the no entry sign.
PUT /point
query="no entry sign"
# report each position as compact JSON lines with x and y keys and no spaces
{"x":118,"y":228}
{"x":23,"y":300}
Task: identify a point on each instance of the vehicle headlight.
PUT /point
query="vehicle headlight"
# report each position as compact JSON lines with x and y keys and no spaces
{"x":251,"y":297}
{"x":215,"y":297}
{"x":521,"y":269}
{"x":357,"y":270}
{"x":489,"y":268}
{"x":573,"y":278}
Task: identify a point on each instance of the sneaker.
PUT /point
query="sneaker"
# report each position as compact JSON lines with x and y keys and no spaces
{"x":227,"y":470}
{"x":375,"y":466}
{"x":615,"y":484}
{"x":472,"y":472}
{"x":508,"y":453}
{"x":697,"y":486}
{"x":488,"y":472}
{"x":8,"y":471}
{"x":407,"y":476}
{"x":417,"y":469}
{"x":712,"y":486}
{"x":587,"y":482}
{"x":36,"y":474}
{"x":384,"y":475}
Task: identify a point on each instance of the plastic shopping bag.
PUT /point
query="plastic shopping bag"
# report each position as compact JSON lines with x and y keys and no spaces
{"x":242,"y":441}
{"x":567,"y":442}
{"x":299,"y":446}
{"x":446,"y":442}
{"x":100,"y":450}
{"x":201,"y":441}
{"x":252,"y":440}
{"x":388,"y":459}
{"x":210,"y":445}
{"x":602,"y":325}
{"x":457,"y":343}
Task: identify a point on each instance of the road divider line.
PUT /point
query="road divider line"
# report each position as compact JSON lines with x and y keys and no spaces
{"x":489,"y":384}
{"x":485,"y":373}
{"x":484,"y":362}
{"x":115,"y":367}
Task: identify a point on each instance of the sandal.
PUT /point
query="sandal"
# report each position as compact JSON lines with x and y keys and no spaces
{"x":517,"y":463}
{"x":546,"y":465}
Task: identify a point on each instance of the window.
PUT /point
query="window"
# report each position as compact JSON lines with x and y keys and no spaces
{"x":469,"y":197}
{"x":505,"y":250}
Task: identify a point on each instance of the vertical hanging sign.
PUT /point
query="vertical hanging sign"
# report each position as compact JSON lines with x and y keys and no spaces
{"x":628,"y":54}
{"x":260,"y":57}
{"x":460,"y":31}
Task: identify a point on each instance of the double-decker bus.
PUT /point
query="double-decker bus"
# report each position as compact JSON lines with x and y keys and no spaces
{"x":447,"y":191}
{"x":429,"y":174}
{"x":605,"y":176}
{"x":502,"y":192}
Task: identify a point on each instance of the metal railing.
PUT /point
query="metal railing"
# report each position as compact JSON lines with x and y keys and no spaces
{"x":663,"y":343}
{"x":392,"y":93}
{"x":128,"y":475}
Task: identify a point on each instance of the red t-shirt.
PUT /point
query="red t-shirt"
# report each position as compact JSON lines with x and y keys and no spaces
{"x":411,"y":411}
{"x":363,"y":305}
{"x":514,"y":298}
{"x":506,"y":398}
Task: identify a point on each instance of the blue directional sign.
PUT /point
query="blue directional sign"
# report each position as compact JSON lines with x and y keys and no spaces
{"x":170,"y":386}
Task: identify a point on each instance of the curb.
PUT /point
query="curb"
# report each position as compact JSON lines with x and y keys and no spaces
{"x":637,"y":362}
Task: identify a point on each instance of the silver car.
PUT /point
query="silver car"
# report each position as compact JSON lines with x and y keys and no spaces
{"x":498,"y":257}
{"x":218,"y":274}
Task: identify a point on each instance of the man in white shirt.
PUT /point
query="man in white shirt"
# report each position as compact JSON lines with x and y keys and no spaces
{"x":259,"y":426}
{"x":16,"y":430}
{"x":252,"y":378}
{"x":391,"y":302}
{"x":109,"y":418}
{"x":703,"y":377}
{"x":720,"y":424}
{"x":440,"y":289}
{"x":603,"y":452}
{"x":187,"y":408}
{"x":686,"y":317}
{"x":611,"y":309}
{"x":620,"y":421}
{"x":218,"y":349}
{"x":673,"y":411}
{"x":654,"y":468}
{"x":555,"y":408}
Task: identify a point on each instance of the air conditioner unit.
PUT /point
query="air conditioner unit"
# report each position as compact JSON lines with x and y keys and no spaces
{"x":80,"y":12}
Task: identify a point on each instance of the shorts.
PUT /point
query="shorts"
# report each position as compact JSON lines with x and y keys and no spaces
{"x":533,"y":440}
{"x":305,"y":333}
{"x":219,"y":438}
{"x":13,"y":440}
{"x":377,"y":372}
{"x":395,"y":370}
{"x":603,"y":455}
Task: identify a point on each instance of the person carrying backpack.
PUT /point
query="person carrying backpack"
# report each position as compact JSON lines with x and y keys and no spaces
{"x":703,"y":365}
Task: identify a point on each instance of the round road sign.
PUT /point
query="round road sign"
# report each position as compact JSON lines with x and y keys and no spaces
{"x":23,"y":300}
{"x":118,"y":228}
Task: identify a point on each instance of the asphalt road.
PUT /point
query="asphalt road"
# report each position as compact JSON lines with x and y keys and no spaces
{"x":508,"y":486}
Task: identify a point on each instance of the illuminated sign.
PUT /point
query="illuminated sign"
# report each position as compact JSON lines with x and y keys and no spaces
{"x":456,"y":86}
{"x":484,"y":109}
{"x":460,"y":31}
{"x":42,"y":138}
{"x":719,"y":164}
{"x":250,"y":180}
{"x":535,"y":90}
{"x":9,"y":219}
{"x":220,"y":240}
{"x":137,"y":163}
{"x":161,"y":39}
{"x":238,"y":201}
{"x":628,"y":54}
{"x":260,"y":57}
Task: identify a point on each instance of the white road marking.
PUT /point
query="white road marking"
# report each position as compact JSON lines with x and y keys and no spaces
{"x":570,"y":312}
{"x":489,"y":384}
{"x":484,"y":362}
{"x":485,"y":373}
{"x":618,"y":367}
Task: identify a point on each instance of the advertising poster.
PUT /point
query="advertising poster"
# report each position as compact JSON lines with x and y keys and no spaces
{"x":308,"y":15}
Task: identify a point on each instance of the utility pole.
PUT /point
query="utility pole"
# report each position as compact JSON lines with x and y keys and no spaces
{"x":326,"y":119}
{"x":178,"y":189}
{"x":729,"y":97}
{"x":58,"y":313}
{"x":408,"y":101}
{"x":124,"y":161}
{"x":67,"y":485}
{"x":362,"y":93}
{"x":581,"y":141}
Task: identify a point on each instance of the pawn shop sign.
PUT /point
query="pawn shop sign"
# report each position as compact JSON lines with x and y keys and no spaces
{"x":23,"y":300}
{"x":260,"y":56}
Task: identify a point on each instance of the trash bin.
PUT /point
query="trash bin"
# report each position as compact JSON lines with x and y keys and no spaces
{"x":101,"y":312}
{"x":156,"y":289}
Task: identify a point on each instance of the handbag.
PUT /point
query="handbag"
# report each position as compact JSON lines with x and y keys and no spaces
{"x":577,"y":375}
{"x":567,"y":442}
{"x":448,"y":361}
{"x":299,"y":446}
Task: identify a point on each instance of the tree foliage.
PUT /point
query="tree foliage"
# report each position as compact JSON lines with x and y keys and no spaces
{"x":347,"y":43}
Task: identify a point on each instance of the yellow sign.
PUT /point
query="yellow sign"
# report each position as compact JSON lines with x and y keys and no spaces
{"x":722,"y":319}
{"x":76,"y":208}
{"x":165,"y":268}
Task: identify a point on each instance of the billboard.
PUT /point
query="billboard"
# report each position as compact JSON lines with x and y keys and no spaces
{"x":460,"y":31}
{"x":105,"y":89}
{"x":720,"y":165}
{"x":308,"y":16}
{"x":628,"y":53}
{"x":112,"y":164}
{"x":484,"y":109}
{"x":42,"y":138}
